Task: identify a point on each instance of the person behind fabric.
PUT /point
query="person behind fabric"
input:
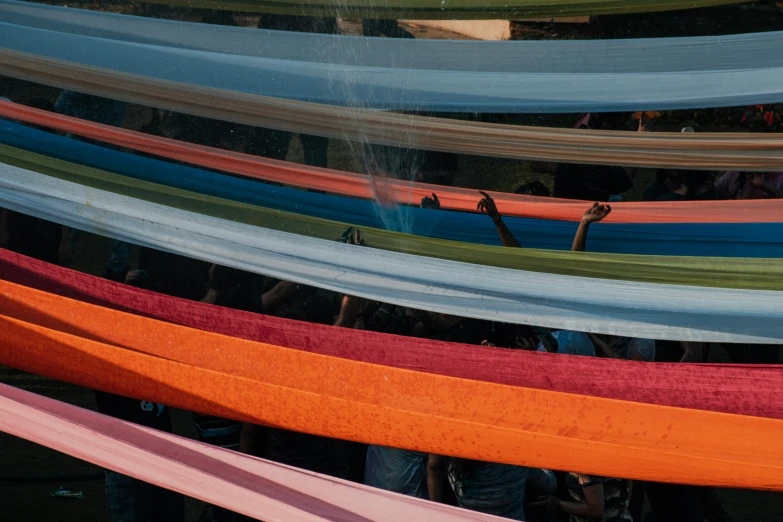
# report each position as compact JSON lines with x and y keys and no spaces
{"x":274,"y":144}
{"x":91,"y":108}
{"x":750,"y":185}
{"x":681,"y":185}
{"x":161,"y":124}
{"x":593,"y":182}
{"x":592,"y":498}
{"x":570,"y":343}
{"x":129,"y":499}
{"x":628,"y":348}
{"x":664,"y":351}
{"x":669,"y":499}
{"x":494,"y":489}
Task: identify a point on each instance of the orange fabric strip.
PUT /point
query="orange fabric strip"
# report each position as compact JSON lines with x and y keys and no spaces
{"x":385,"y":189}
{"x":147,"y":359}
{"x":394,"y":190}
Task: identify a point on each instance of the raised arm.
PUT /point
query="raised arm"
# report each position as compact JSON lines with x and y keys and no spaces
{"x":595,"y":213}
{"x":437,"y":481}
{"x":488,"y":207}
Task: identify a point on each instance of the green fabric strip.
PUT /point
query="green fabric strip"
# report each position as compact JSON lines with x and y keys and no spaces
{"x":747,"y":273}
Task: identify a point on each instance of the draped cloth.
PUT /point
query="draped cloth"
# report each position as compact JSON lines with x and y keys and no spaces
{"x":745,"y":273}
{"x":254,"y":487}
{"x":638,"y":55}
{"x":623,"y":307}
{"x":763,"y":240}
{"x":396,"y":190}
{"x":750,"y":75}
{"x":741,"y":389}
{"x":322,"y":395}
{"x":743,"y":151}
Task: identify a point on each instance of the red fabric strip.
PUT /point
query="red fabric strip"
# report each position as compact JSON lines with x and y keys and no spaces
{"x":741,"y":389}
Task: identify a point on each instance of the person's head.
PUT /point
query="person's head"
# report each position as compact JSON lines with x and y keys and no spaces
{"x":672,"y":179}
{"x":698,"y":182}
{"x":534,"y":188}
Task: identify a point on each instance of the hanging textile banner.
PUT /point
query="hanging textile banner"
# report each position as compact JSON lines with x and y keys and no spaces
{"x":680,"y":239}
{"x":742,"y":273}
{"x":254,"y":487}
{"x":397,"y":88}
{"x":745,"y":390}
{"x":656,"y":311}
{"x":387,"y":406}
{"x":396,"y":190}
{"x":757,"y":152}
{"x":744,"y":52}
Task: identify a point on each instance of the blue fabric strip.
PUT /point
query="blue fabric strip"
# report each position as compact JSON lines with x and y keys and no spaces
{"x":420,"y":75}
{"x":683,"y":239}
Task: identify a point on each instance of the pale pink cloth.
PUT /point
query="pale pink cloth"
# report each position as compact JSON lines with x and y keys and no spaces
{"x":254,"y":487}
{"x":736,"y":186}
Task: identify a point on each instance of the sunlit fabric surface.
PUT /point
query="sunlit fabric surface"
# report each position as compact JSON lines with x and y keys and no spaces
{"x":688,"y":54}
{"x":682,"y":239}
{"x":728,"y":388}
{"x":391,"y":190}
{"x":691,"y":150}
{"x":659,"y":311}
{"x":350,"y":400}
{"x":751,"y":74}
{"x":254,"y":487}
{"x":748,"y":273}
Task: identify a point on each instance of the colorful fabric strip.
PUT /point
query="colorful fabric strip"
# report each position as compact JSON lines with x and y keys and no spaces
{"x":745,"y":273}
{"x":399,"y":88}
{"x":391,"y":190}
{"x":763,"y":240}
{"x":752,"y":152}
{"x":657,"y":311}
{"x":744,"y":390}
{"x":254,"y":487}
{"x":349,"y":400}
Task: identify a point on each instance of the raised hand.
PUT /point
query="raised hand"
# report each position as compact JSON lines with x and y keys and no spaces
{"x":487,"y":206}
{"x":596,"y":213}
{"x":356,"y":238}
{"x":431,"y":202}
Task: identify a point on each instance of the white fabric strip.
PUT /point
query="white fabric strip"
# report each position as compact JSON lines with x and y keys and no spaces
{"x":656,"y":311}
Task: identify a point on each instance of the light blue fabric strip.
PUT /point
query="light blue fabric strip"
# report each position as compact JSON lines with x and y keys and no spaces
{"x":653,"y":311}
{"x":432,"y":75}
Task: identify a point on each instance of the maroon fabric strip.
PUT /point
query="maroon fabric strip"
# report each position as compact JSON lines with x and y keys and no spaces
{"x":755,"y":390}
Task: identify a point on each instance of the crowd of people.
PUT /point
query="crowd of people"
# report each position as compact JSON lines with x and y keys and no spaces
{"x":514,"y":492}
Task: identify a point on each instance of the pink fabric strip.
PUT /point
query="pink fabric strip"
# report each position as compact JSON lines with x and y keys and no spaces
{"x":254,"y":487}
